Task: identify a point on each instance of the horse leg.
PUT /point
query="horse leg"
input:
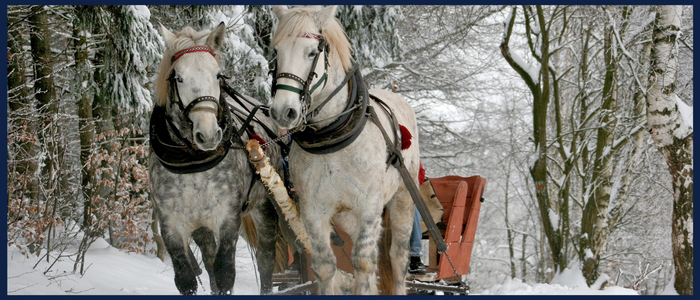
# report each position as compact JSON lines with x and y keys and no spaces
{"x":364,"y":254}
{"x":323,"y":261}
{"x":401,"y":212}
{"x":204,"y":238}
{"x":225,"y":262}
{"x":180,"y":254}
{"x":265,"y":219}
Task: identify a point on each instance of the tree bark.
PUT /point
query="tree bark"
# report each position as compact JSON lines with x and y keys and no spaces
{"x":594,"y":222}
{"x":44,"y":86}
{"x":673,"y":138}
{"x":538,"y":171}
{"x":86,"y":126}
{"x":20,"y":103}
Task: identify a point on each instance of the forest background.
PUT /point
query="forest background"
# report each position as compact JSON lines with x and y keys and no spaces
{"x":579,"y":117}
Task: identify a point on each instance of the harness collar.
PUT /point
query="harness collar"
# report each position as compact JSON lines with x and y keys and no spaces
{"x":177,"y":154}
{"x":343,"y":131}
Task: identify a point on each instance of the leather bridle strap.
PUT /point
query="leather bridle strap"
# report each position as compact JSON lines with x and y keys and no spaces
{"x":192,"y":106}
{"x":190,"y":50}
{"x":316,"y":110}
{"x":306,"y":91}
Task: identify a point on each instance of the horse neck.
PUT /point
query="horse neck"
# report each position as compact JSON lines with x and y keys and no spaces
{"x":335,"y":106}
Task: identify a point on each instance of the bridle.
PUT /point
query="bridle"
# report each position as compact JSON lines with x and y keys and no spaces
{"x":306,"y":90}
{"x":193,"y":105}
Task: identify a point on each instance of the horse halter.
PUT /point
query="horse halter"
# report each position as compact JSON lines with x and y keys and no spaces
{"x":193,"y":105}
{"x":306,"y":91}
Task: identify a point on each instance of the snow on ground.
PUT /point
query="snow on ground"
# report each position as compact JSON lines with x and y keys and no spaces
{"x":568,"y":282}
{"x":114,"y":272}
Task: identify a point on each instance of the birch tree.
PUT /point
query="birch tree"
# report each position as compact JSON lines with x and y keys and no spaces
{"x":673,"y":137}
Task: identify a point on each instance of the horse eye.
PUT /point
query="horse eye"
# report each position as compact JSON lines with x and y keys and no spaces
{"x":313,"y":54}
{"x":177,"y":78}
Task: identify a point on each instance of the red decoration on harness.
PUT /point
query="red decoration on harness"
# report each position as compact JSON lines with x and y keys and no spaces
{"x":258,"y":138}
{"x":405,"y":137}
{"x":421,"y":174}
{"x":190,"y":50}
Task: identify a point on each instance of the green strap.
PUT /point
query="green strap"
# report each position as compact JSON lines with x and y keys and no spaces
{"x":289,"y":88}
{"x":323,"y":80}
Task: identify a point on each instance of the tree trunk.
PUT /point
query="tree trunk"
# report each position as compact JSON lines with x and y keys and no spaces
{"x":48,"y":109}
{"x":44,"y":86}
{"x":86,"y":126}
{"x":509,"y":231}
{"x":538,"y":171}
{"x":673,"y":138}
{"x":638,"y":148}
{"x":20,"y":103}
{"x":594,"y":222}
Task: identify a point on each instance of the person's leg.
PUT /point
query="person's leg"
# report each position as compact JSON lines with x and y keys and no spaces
{"x":416,"y":265}
{"x":416,"y":236}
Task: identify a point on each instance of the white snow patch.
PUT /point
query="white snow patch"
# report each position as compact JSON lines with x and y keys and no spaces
{"x":516,"y":286}
{"x":554,"y":218}
{"x":589,"y":253}
{"x":533,"y":71}
{"x":685,"y":110}
{"x":141,"y":12}
{"x":572,"y":278}
{"x":670,"y":289}
{"x":113,"y":272}
{"x":598,"y":282}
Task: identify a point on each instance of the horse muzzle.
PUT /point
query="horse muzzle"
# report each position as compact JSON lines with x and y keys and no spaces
{"x":286,"y":117}
{"x":207,"y":141}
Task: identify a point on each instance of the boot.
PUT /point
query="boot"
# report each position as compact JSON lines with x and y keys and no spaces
{"x":416,"y":266}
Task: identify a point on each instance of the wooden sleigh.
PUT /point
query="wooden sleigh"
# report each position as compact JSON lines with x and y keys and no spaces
{"x":461,"y":199}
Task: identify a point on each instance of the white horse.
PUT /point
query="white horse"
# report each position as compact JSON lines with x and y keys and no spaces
{"x":202,"y":184}
{"x":339,"y":166}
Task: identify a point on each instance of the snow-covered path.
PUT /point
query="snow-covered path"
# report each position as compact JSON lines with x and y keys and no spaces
{"x":114,"y":272}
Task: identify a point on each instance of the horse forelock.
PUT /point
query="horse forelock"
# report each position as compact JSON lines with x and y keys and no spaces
{"x":300,"y":20}
{"x":187,"y":38}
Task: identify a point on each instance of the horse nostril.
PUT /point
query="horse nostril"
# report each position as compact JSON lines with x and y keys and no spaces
{"x":291,"y":114}
{"x":199,"y":138}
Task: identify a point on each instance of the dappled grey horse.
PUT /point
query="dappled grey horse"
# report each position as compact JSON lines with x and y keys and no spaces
{"x":201,"y":180}
{"x":346,"y":140}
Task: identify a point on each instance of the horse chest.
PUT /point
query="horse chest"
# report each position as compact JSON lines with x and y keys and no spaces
{"x":200,"y":199}
{"x":346,"y":178}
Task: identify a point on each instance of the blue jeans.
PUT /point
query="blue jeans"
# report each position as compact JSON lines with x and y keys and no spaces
{"x":416,"y":237}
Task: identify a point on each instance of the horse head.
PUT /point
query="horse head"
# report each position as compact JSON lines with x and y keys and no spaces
{"x":309,"y":43}
{"x":188,"y":84}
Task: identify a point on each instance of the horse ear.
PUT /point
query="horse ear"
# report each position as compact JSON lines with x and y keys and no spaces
{"x":325,"y":14}
{"x":216,"y":37}
{"x":168,"y":36}
{"x":280,"y":11}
